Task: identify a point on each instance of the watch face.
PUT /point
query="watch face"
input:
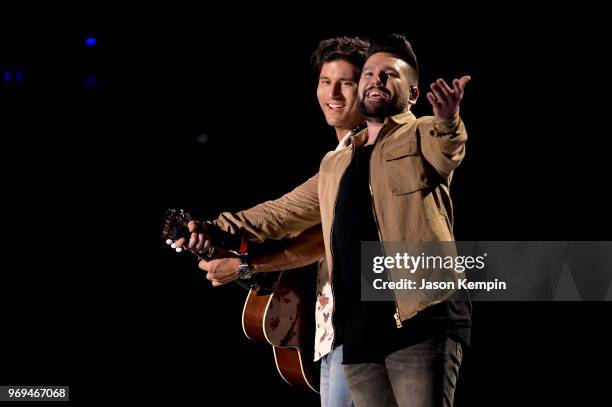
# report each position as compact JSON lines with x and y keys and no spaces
{"x":244,"y":271}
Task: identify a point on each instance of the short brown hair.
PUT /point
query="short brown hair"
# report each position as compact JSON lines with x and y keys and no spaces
{"x":352,"y":50}
{"x":396,"y":45}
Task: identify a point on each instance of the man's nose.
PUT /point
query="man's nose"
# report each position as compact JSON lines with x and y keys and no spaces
{"x":336,"y":90}
{"x":382,"y":77}
{"x":379,"y":79}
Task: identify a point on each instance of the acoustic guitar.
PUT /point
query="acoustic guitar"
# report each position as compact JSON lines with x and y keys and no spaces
{"x":278,"y":311}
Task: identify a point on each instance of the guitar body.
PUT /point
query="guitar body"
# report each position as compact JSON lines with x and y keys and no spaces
{"x":284,"y":318}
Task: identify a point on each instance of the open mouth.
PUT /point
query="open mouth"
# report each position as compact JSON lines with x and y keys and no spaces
{"x":335,"y":107}
{"x":376,"y":94}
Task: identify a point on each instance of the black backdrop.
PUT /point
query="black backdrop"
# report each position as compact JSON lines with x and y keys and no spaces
{"x":208,"y":111}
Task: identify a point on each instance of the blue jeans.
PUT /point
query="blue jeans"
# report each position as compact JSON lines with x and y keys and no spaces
{"x":334,"y":391}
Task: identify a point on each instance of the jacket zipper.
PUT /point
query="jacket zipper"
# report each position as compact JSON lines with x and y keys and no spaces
{"x":396,"y":315}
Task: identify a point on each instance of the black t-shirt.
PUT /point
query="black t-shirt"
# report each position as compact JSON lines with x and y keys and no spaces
{"x":367,"y":329}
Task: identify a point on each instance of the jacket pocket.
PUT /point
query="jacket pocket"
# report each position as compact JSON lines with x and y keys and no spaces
{"x":404,"y":169}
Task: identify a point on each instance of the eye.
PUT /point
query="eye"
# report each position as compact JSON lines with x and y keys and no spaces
{"x":367,"y":74}
{"x":324,"y":81}
{"x":348,"y":84}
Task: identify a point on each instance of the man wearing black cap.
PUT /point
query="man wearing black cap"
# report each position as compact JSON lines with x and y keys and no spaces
{"x":400,"y":175}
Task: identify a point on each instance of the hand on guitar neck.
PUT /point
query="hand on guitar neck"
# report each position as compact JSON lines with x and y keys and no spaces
{"x":220,"y":265}
{"x":219,"y":253}
{"x":199,"y":241}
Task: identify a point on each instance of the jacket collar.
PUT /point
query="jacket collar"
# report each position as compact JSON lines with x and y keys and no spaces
{"x":401,"y":118}
{"x":390,"y":122}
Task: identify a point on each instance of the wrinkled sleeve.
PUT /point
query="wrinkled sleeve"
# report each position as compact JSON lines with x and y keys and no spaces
{"x":443,"y":143}
{"x":294,"y":212}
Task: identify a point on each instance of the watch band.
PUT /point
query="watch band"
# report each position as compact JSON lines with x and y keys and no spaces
{"x":244,"y":270}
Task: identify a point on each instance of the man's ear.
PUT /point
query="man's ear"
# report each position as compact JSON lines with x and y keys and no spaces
{"x":414,"y":94}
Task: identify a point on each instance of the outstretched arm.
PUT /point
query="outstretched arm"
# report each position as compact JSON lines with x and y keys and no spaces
{"x":443,"y":138}
{"x":292,"y":213}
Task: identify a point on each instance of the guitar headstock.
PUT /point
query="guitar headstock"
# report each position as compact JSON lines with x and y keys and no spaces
{"x":175,"y":225}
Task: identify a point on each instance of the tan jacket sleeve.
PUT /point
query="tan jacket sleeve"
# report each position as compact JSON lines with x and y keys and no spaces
{"x":443,"y":143}
{"x":294,"y":212}
{"x":306,"y":248}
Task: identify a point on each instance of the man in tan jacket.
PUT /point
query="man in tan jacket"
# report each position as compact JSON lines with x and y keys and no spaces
{"x":392,"y":183}
{"x":337,"y":64}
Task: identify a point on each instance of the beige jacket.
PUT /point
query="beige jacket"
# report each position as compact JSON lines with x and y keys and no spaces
{"x":411,"y":168}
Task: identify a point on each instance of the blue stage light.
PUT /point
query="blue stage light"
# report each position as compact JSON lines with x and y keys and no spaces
{"x":90,"y":42}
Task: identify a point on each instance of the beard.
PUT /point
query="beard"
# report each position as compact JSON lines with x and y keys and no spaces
{"x":386,"y":108}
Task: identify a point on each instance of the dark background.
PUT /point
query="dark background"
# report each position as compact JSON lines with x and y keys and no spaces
{"x":216,"y":110}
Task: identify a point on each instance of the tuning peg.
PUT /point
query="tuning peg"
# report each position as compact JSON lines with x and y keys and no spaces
{"x":179,"y":249}
{"x":173,"y":245}
{"x":169,"y":241}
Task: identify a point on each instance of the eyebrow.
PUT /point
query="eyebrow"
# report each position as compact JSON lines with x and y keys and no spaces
{"x":385,"y":68}
{"x":340,"y":79}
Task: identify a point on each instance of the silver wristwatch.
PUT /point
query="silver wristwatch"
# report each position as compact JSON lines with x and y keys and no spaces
{"x":244,"y":270}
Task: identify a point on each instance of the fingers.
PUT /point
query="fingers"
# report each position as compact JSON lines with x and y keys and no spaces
{"x":222,"y":270}
{"x":432,"y":99}
{"x":197,"y":239}
{"x":218,"y":282}
{"x":441,"y":96}
{"x":194,"y":244}
{"x":198,"y":235}
{"x":450,"y":93}
{"x":459,"y":85}
{"x":197,"y":243}
{"x":200,"y":241}
{"x":195,"y":227}
{"x":464,"y":80}
{"x":444,"y":94}
{"x":193,"y":240}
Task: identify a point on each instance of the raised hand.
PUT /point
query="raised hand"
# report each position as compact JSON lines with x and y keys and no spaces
{"x":444,"y":99}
